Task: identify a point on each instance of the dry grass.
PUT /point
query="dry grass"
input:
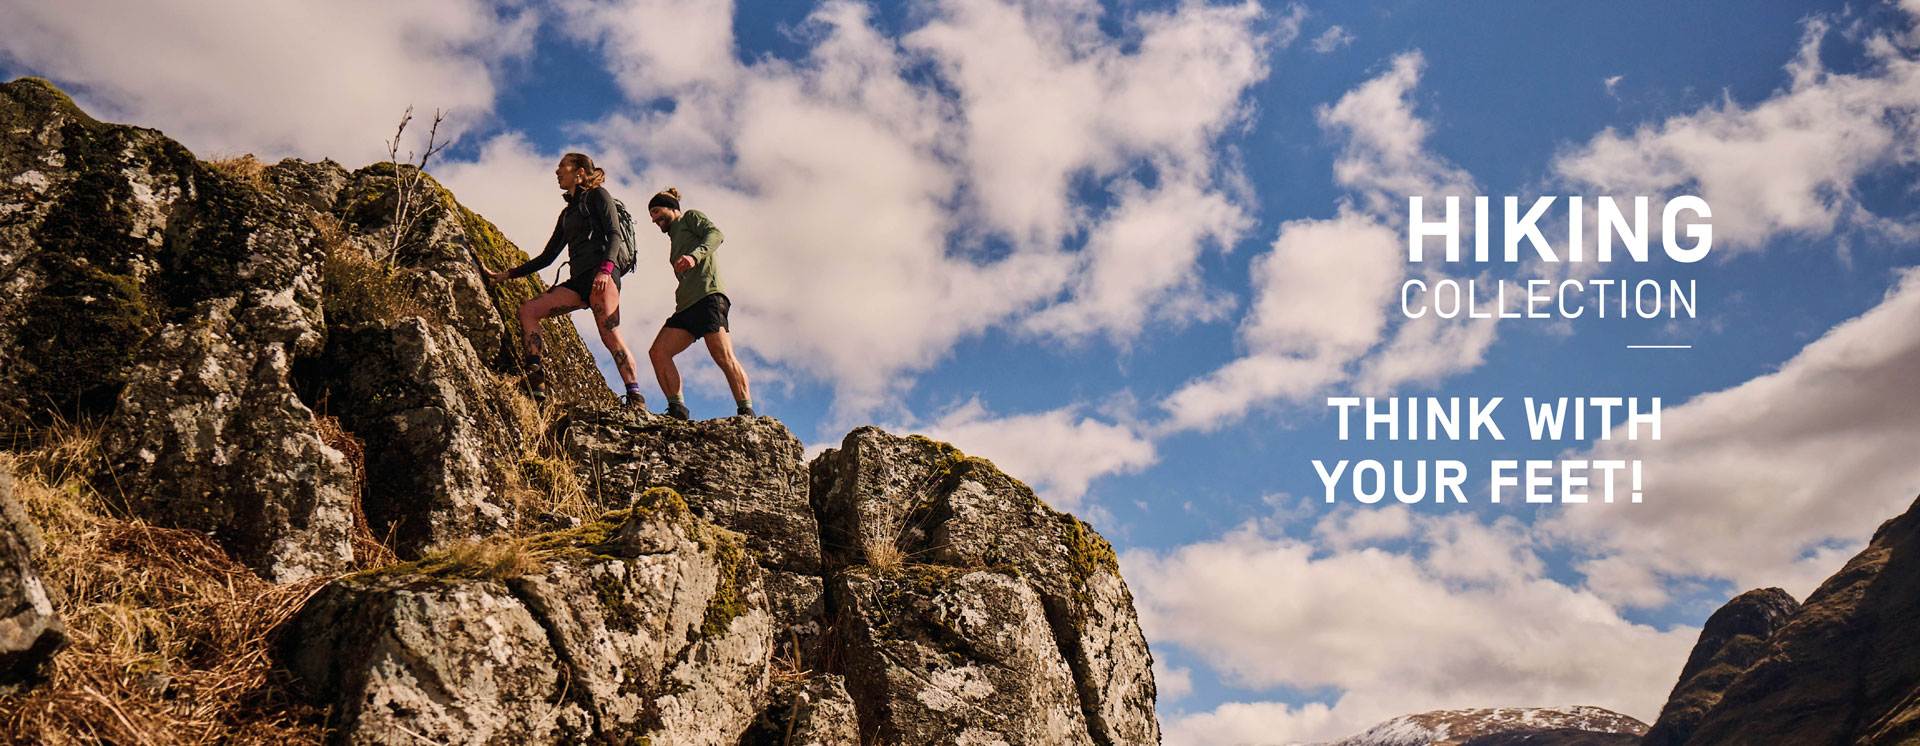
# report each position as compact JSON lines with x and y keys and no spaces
{"x":170,"y":636}
{"x":886,"y":552}
{"x":542,"y":487}
{"x":886,"y":556}
{"x":243,"y":168}
{"x":492,"y":558}
{"x":356,"y":287}
{"x":367,"y":550}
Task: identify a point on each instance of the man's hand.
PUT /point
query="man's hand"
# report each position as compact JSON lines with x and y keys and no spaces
{"x":496,"y":276}
{"x":683,"y":264}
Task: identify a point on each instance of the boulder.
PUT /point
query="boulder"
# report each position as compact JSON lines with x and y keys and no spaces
{"x":918,"y":500}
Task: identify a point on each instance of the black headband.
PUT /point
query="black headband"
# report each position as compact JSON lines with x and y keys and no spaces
{"x":664,"y":200}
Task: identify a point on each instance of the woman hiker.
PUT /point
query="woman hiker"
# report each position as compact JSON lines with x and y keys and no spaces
{"x":587,"y":228}
{"x":699,"y":303}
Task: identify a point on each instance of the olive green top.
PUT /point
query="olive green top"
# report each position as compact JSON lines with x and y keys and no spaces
{"x":692,"y":234}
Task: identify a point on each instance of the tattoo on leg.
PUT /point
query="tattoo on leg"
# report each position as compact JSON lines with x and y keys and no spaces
{"x":613,"y":320}
{"x":537,"y":343}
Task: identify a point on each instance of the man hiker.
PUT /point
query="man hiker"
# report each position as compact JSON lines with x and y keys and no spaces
{"x":589,"y":229}
{"x":699,"y":303}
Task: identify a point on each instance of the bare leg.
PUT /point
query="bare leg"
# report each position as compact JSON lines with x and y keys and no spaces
{"x":606,"y":318}
{"x":670,"y":342}
{"x":720,"y":344}
{"x":555,"y":300}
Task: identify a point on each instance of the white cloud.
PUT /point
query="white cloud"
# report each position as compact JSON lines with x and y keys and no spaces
{"x":1325,"y":295}
{"x":1612,"y":84}
{"x":1249,"y":724}
{"x":1333,"y":38}
{"x":1787,"y":165}
{"x":313,"y":80}
{"x":931,"y":184}
{"x":1744,"y":483}
{"x":1384,"y":157}
{"x":1044,"y":98}
{"x":1320,"y":301}
{"x":1350,"y":529}
{"x":1058,"y":452}
{"x":1462,"y":617}
{"x":1424,"y":351}
{"x":1141,"y":259}
{"x":657,"y":47}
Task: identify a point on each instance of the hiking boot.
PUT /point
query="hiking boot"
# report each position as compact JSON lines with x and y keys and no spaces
{"x":745,"y":410}
{"x":634,"y":401}
{"x":678,"y":411}
{"x":537,"y":382}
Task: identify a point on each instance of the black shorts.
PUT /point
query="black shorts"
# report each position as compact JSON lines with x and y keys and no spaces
{"x":584,"y":286}
{"x":704,"y":317}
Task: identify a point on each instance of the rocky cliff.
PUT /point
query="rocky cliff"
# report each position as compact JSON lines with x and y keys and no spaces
{"x":291,"y":491}
{"x":1732,"y":640}
{"x":1842,"y":670}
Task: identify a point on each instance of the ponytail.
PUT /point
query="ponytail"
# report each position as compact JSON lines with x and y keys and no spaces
{"x":595,"y":177}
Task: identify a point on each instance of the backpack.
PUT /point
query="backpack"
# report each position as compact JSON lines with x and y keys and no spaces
{"x":623,"y":256}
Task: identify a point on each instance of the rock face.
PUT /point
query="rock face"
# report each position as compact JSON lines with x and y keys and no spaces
{"x":438,"y":432}
{"x":1504,"y":726}
{"x":814,"y":712}
{"x":205,"y":313}
{"x":943,"y":653}
{"x":1732,"y":640}
{"x":30,"y":628}
{"x":1845,"y":668}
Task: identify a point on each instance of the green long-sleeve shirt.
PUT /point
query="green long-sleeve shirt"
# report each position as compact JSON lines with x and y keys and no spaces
{"x":692,"y":234}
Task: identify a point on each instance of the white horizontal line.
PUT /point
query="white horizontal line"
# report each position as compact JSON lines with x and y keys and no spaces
{"x":1659,"y":347}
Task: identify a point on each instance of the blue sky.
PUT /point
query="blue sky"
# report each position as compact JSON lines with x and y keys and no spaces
{"x":1127,"y":250}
